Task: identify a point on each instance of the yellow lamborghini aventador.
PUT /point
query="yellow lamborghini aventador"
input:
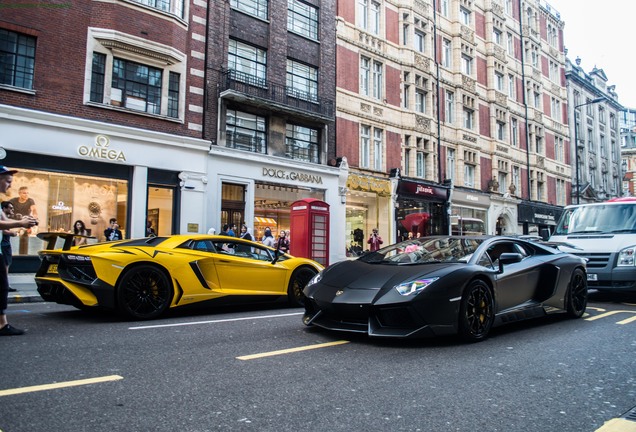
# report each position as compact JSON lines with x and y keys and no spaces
{"x":142,"y":278}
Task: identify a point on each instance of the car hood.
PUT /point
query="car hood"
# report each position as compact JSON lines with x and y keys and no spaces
{"x":364,"y":276}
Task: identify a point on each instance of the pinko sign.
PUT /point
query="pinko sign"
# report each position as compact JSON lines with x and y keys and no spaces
{"x":422,"y":190}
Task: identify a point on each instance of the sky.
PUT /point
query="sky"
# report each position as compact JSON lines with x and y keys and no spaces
{"x":600,"y":33}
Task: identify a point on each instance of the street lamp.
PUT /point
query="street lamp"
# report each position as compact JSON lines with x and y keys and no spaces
{"x":576,"y":142}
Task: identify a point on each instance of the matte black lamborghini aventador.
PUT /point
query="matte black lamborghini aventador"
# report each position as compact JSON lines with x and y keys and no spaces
{"x":446,"y":285}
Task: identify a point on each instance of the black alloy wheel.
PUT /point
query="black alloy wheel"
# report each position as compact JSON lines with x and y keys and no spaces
{"x":297,"y":284}
{"x":576,"y":296}
{"x":476,"y":314}
{"x":144,"y":292}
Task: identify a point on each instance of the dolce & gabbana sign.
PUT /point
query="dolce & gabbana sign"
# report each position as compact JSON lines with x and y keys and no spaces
{"x":101,"y":150}
{"x":295,"y":176}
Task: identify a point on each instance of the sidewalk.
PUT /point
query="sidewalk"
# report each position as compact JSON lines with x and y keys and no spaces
{"x":26,"y":289}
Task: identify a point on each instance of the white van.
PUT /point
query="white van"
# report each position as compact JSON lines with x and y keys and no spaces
{"x":467,"y":226}
{"x":605,"y":234}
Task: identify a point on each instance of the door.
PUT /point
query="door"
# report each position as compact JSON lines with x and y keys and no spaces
{"x":160,"y":210}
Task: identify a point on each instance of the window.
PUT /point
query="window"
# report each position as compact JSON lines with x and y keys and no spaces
{"x":148,"y":83}
{"x":464,"y":16}
{"x":469,"y":118}
{"x":499,"y":81}
{"x":508,"y":7}
{"x":469,"y":175}
{"x":302,"y":19}
{"x":501,"y":130}
{"x":419,"y":42}
{"x":377,"y":80}
{"x":450,"y":106}
{"x":365,"y":146}
{"x":406,"y":98}
{"x":502,"y":178}
{"x":560,"y":192}
{"x":510,"y":44}
{"x":514,"y":132}
{"x":420,"y":164}
{"x":444,"y":7}
{"x":446,"y":53}
{"x":302,"y":81}
{"x":246,"y":131}
{"x":420,"y":101}
{"x":17,"y":59}
{"x":553,"y":71}
{"x":516,"y":178}
{"x":497,"y":36}
{"x":138,"y":86}
{"x":555,"y":108}
{"x":467,"y":65}
{"x":369,"y":15}
{"x":559,"y":149}
{"x":249,"y":62}
{"x":174,"y":7}
{"x":377,"y":149}
{"x":512,"y":89}
{"x":257,"y":8}
{"x":450,"y":164}
{"x":301,"y":143}
{"x":365,"y":76}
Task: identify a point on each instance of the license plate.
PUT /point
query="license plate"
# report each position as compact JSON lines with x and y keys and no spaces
{"x":52,"y":268}
{"x":592,"y":277}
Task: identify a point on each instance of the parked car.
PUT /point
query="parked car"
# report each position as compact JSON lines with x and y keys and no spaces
{"x":142,"y":278}
{"x":446,"y":285}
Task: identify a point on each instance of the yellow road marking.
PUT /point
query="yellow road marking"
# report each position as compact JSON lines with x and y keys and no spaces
{"x":618,"y":425}
{"x":614,"y":312}
{"x":42,"y":387}
{"x":291,"y":350}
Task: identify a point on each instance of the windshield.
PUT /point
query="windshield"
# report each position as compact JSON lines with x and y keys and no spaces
{"x":605,"y":219}
{"x":425,"y":250}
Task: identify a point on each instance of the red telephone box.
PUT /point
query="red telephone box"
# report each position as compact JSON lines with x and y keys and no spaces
{"x":309,"y":228}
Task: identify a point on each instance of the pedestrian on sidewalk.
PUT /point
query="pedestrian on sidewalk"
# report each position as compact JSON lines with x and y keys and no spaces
{"x":5,"y":245}
{"x":6,"y":178}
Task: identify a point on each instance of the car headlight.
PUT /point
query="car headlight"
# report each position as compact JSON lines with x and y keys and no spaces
{"x":314,"y":279}
{"x":414,"y":287}
{"x":626,"y":257}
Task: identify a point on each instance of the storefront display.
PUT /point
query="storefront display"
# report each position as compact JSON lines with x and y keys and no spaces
{"x":58,"y":200}
{"x":469,"y":212}
{"x":421,"y":209}
{"x":368,"y":207}
{"x":272,"y":206}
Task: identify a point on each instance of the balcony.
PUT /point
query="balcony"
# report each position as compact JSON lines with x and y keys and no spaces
{"x":248,"y":89}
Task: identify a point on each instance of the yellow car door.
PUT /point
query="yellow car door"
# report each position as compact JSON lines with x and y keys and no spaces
{"x":245,"y":269}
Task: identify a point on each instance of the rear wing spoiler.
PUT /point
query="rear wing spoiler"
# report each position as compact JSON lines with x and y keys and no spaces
{"x":51,"y":238}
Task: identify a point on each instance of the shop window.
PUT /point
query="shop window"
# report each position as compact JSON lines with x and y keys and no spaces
{"x":58,"y":200}
{"x":134,"y":75}
{"x":272,"y":203}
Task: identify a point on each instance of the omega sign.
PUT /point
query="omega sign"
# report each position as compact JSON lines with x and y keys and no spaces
{"x":291,"y":175}
{"x":101,"y":150}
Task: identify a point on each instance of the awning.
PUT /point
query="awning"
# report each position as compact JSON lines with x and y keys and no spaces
{"x":264,"y":220}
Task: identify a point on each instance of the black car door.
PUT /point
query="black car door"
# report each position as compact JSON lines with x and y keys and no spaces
{"x":517,"y":283}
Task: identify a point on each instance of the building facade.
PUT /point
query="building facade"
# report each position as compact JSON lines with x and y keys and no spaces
{"x":101,"y":108}
{"x":595,"y":135}
{"x":465,"y":100}
{"x":628,"y":150}
{"x":270,"y":106}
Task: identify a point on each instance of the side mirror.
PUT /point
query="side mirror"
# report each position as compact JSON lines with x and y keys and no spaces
{"x":508,"y":258}
{"x":544,"y":234}
{"x":277,"y":255}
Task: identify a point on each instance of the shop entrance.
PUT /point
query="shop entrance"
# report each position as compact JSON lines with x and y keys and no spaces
{"x":232,"y":204}
{"x":160,"y":211}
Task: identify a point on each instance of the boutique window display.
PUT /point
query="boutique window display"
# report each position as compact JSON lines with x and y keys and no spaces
{"x":58,"y":200}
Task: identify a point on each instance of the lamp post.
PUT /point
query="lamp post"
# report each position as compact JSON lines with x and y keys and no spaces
{"x":576,"y":142}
